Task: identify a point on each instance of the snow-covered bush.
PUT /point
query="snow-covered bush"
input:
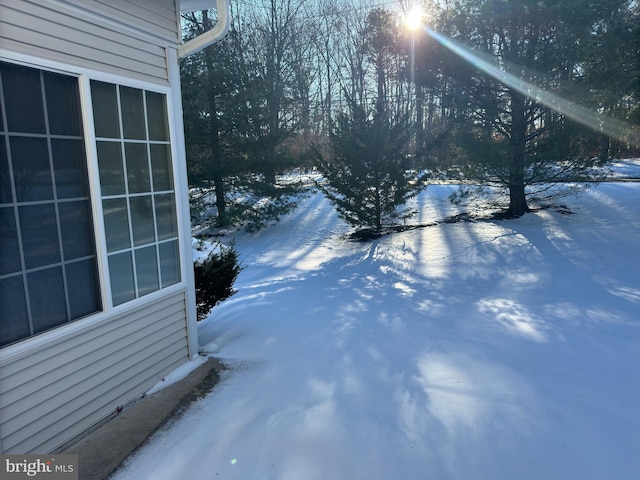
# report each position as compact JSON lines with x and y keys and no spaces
{"x":215,"y":273}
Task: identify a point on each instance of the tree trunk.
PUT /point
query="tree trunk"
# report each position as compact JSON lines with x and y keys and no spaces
{"x":517,"y":202}
{"x":381,"y":100}
{"x":419,"y":119}
{"x":378,"y":208}
{"x":605,"y":144}
{"x":517,"y":197}
{"x":218,"y":184}
{"x":214,"y":132}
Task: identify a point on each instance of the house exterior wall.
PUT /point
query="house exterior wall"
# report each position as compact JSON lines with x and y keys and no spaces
{"x":54,"y":391}
{"x":123,"y":37}
{"x":57,"y":384}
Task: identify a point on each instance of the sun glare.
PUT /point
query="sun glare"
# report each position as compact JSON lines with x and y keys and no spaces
{"x":414,"y":17}
{"x":610,"y":126}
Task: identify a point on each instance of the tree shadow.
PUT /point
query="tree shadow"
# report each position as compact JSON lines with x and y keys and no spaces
{"x":445,"y":349}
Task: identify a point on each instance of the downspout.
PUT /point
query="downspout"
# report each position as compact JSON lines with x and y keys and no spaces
{"x":218,"y":31}
{"x":214,"y":35}
{"x":182,"y":183}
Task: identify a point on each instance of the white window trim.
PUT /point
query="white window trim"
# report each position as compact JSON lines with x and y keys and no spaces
{"x":179,"y":178}
{"x":178,"y":148}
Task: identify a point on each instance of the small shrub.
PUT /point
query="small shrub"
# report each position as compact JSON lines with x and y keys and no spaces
{"x":214,"y":278}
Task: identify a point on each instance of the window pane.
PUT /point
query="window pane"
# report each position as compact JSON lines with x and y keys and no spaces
{"x":161,"y":167}
{"x":111,"y":168}
{"x":44,"y":149}
{"x":147,"y":270}
{"x":140,"y":216}
{"x":46,"y":297}
{"x":166,"y":217}
{"x":31,"y":169}
{"x":39,"y":235}
{"x":121,"y":273}
{"x":63,"y":104}
{"x":70,"y":168}
{"x":14,"y":324}
{"x":105,"y":109}
{"x":137,"y":167}
{"x":76,"y":228}
{"x":142,"y":220}
{"x":157,"y":116}
{"x":5,"y":178}
{"x":132,"y":113}
{"x":84,"y":292}
{"x":9,"y":248}
{"x":116,"y":224}
{"x":23,"y":98}
{"x":169,"y":263}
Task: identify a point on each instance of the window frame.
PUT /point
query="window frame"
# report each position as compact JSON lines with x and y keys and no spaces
{"x":84,"y":77}
{"x":94,"y":180}
{"x":128,"y":196}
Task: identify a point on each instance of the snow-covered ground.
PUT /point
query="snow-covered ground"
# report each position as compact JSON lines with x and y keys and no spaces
{"x":629,"y":168}
{"x":487,"y":350}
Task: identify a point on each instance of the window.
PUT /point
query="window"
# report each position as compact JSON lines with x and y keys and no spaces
{"x":48,"y":263}
{"x":49,"y":256}
{"x":138,"y":199}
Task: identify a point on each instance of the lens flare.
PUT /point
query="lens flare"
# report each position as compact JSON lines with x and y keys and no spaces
{"x":413,"y":19}
{"x":603,"y":124}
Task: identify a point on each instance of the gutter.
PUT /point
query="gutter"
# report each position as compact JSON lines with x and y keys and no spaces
{"x":214,"y":35}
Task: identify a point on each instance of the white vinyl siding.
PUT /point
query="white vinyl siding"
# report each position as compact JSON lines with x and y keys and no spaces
{"x":156,"y":17}
{"x":81,"y":378}
{"x":71,"y":32}
{"x":57,"y":384}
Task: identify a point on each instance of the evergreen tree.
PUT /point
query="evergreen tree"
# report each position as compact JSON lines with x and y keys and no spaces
{"x":509,"y":136}
{"x":609,"y":79}
{"x":368,"y":178}
{"x":206,"y":78}
{"x":368,"y":175}
{"x":233,"y":153}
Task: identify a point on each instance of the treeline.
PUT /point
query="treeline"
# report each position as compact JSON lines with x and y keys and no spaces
{"x":347,"y":88}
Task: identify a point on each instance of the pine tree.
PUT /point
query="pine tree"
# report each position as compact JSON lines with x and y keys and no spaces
{"x":368,"y":178}
{"x":509,"y":135}
{"x":236,"y":141}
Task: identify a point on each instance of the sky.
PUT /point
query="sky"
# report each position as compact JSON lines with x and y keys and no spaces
{"x":486,"y":350}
